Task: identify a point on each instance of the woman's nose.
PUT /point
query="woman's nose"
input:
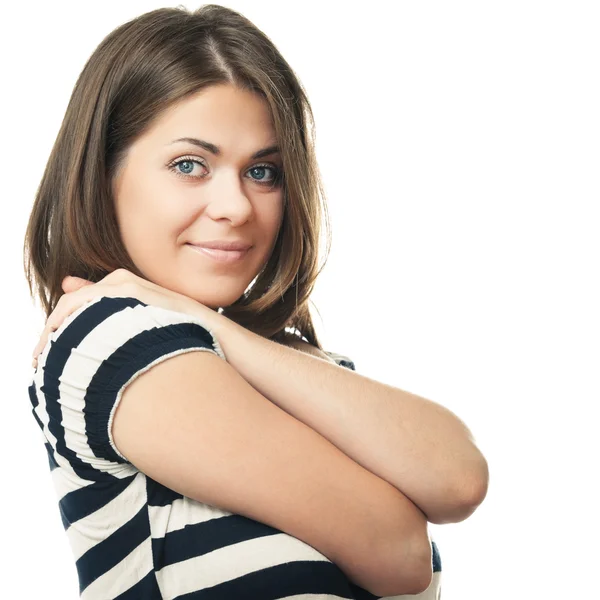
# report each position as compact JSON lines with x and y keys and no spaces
{"x":228,"y":200}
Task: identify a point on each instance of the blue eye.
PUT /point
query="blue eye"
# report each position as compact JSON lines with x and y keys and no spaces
{"x":184,"y":166}
{"x":267,"y":167}
{"x":187,"y":163}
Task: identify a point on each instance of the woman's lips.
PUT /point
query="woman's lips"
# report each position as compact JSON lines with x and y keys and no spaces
{"x":224,"y":256}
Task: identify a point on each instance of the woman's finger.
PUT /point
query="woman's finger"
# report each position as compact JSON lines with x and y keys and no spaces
{"x":52,"y":323}
{"x":71,"y":300}
{"x":48,"y":329}
{"x":41,"y":344}
{"x":71,"y":283}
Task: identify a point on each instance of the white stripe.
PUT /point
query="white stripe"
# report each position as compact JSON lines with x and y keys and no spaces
{"x":65,"y":481}
{"x":228,"y":563}
{"x":180,"y":513}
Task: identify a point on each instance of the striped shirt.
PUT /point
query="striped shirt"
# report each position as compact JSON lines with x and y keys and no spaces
{"x":131,"y":537}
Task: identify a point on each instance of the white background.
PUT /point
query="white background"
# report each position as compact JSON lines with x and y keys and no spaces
{"x":460,"y":145}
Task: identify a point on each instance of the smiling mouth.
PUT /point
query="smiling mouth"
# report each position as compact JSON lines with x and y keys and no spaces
{"x":223,"y":256}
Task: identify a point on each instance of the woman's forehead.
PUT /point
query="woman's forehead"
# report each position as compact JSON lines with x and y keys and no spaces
{"x":223,"y":117}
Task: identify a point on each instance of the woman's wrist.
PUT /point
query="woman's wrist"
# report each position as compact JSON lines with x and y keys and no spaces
{"x":212,"y":320}
{"x":307,"y":348}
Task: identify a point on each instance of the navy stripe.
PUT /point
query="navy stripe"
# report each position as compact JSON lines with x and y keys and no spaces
{"x":201,"y":538}
{"x":82,"y":502}
{"x":160,"y":495}
{"x":111,"y":551}
{"x":359,"y":593}
{"x":34,"y":404}
{"x":33,"y":396}
{"x":435,"y":557}
{"x":58,"y":355}
{"x":51,"y":460}
{"x":348,"y":364}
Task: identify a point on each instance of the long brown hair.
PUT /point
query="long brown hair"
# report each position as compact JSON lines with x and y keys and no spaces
{"x":136,"y":72}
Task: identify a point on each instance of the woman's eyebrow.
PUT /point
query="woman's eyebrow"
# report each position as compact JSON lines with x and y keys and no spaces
{"x":217,"y":151}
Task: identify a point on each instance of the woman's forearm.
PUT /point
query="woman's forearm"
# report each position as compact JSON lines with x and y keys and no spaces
{"x":418,"y":446}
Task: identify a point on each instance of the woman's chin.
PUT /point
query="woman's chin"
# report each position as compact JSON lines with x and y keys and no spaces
{"x":216,"y":302}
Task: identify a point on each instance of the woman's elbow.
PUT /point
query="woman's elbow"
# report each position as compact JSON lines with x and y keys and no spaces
{"x":475,"y":491}
{"x":422,"y":571}
{"x":411,"y":571}
{"x":471,"y":490}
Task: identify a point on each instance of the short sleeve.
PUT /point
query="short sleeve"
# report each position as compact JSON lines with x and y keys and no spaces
{"x":90,"y":360}
{"x":342,"y":360}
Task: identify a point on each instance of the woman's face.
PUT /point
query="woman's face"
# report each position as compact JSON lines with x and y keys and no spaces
{"x":170,"y":194}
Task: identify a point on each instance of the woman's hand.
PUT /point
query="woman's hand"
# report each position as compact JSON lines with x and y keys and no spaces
{"x":119,"y":283}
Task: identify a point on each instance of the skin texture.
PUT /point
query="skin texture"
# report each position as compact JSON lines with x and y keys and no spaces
{"x":160,"y":210}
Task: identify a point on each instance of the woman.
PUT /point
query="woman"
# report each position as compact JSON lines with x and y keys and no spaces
{"x":240,"y":467}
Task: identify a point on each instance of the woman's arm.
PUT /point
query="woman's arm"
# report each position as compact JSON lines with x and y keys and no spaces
{"x":418,"y":446}
{"x":299,"y":344}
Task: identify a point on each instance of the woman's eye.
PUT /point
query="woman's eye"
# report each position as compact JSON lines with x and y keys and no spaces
{"x":187,"y":166}
{"x":184,"y":167}
{"x":273,"y":180}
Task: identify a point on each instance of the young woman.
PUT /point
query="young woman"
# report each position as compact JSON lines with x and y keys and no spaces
{"x":174,"y":245}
